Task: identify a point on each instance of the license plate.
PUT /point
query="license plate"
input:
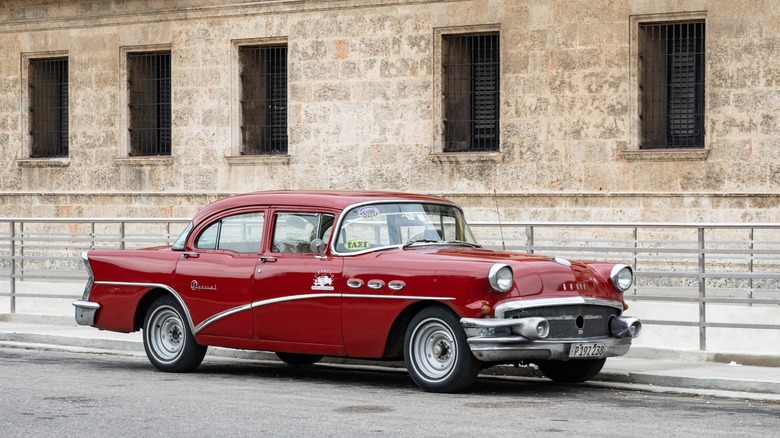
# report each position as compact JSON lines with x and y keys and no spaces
{"x":587,"y":350}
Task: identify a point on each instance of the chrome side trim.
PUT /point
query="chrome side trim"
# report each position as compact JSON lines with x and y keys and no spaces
{"x":224,"y":314}
{"x":156,"y":285}
{"x":232,"y":311}
{"x":501,"y":309}
{"x":398,"y":297}
{"x":212,"y":319}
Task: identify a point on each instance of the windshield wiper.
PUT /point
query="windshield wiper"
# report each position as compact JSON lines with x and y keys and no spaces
{"x":412,"y":242}
{"x":443,"y":242}
{"x":461,"y":242}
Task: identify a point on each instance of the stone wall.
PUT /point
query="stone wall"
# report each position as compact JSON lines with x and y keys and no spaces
{"x":363,"y":108}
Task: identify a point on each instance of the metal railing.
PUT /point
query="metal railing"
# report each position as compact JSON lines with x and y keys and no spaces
{"x":703,"y":264}
{"x":733,"y":264}
{"x":33,"y":249}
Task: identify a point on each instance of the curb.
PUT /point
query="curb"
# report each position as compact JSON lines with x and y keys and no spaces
{"x":640,"y":380}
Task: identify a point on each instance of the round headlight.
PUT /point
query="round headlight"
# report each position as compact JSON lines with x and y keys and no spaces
{"x":622,"y":277}
{"x":501,"y":278}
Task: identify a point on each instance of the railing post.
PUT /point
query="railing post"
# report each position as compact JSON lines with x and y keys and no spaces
{"x":21,"y":249}
{"x":635,"y":259}
{"x":12,"y":266}
{"x":702,"y":293}
{"x":122,"y":235}
{"x":529,"y":239}
{"x":750,"y":268}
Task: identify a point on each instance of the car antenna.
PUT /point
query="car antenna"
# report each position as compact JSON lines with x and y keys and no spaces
{"x":500,"y":227}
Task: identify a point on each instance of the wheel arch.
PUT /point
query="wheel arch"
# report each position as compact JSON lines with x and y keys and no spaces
{"x":394,"y":345}
{"x":150,"y":297}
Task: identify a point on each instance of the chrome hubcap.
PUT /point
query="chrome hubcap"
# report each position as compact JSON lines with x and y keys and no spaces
{"x":433,"y":349}
{"x":165,"y":334}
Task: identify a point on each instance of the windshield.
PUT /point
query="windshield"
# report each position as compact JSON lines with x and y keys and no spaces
{"x":376,"y":226}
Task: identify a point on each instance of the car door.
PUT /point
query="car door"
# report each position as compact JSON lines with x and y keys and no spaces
{"x":216,"y":274}
{"x":297,"y":296}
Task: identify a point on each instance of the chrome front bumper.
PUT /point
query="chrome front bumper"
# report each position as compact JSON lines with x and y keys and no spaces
{"x":526,"y":339}
{"x":85,"y":312}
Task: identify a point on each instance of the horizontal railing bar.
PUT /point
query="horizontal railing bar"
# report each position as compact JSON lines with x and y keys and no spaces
{"x":654,"y":250}
{"x":96,"y":220}
{"x":25,"y":295}
{"x":706,"y":226}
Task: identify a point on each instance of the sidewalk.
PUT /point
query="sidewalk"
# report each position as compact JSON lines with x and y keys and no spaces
{"x":642,"y":369}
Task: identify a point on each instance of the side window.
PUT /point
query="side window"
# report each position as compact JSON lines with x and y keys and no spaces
{"x":208,"y":238}
{"x":294,"y":232}
{"x":241,"y":233}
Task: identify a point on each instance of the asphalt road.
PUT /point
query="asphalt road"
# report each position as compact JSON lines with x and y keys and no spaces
{"x":46,"y":393}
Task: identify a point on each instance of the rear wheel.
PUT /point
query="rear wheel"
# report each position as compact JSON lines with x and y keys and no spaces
{"x":436,"y":353}
{"x":571,"y":371}
{"x":298,"y":359}
{"x":168,"y":340}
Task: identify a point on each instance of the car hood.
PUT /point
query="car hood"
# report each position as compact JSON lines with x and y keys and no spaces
{"x":533,"y":274}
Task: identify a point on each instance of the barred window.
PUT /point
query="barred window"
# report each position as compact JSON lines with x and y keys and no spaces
{"x":671,"y":82}
{"x":263,"y":75}
{"x":470,"y":88}
{"x":48,"y":82}
{"x":149,"y":85}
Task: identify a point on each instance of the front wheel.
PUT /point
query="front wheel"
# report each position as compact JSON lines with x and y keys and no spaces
{"x":436,"y":353}
{"x":168,"y":340}
{"x":571,"y":371}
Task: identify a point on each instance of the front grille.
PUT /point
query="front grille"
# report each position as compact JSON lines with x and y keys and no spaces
{"x":571,"y":322}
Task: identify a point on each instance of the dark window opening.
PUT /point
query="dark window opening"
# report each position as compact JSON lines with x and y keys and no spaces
{"x":263,"y":74}
{"x":48,"y":82}
{"x":671,"y":82}
{"x":470,"y":88}
{"x":149,"y":85}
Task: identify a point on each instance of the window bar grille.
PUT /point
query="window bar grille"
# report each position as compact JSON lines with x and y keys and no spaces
{"x":471,"y":68}
{"x":263,"y":75}
{"x":149,"y":83}
{"x":48,"y":84}
{"x":672,"y":84}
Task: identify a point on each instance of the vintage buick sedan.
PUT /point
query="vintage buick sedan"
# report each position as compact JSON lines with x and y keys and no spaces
{"x":374,"y":275}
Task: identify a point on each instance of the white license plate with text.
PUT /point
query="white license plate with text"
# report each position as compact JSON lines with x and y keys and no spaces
{"x":587,"y":350}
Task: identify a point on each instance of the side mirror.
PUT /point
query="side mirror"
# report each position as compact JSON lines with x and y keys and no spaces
{"x":318,"y":246}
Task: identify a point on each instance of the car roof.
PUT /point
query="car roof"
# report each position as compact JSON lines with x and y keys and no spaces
{"x":308,"y":198}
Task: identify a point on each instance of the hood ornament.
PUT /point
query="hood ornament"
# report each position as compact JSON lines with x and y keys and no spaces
{"x":562,"y":262}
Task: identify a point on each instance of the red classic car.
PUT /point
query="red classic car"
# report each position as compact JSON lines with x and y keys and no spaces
{"x":360,"y":275}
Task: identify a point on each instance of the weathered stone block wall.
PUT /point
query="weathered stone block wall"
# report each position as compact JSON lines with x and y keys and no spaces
{"x":363,"y":109}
